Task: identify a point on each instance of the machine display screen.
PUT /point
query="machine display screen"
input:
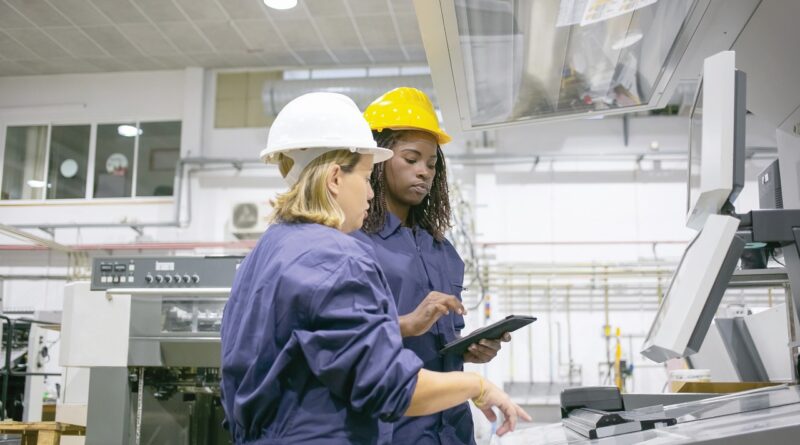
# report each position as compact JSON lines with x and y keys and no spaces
{"x":695,"y":150}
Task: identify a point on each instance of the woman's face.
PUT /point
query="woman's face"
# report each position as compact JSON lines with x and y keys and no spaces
{"x":352,"y":191}
{"x":410,"y":173}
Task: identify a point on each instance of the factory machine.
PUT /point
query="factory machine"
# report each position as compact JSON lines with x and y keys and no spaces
{"x":141,"y":350}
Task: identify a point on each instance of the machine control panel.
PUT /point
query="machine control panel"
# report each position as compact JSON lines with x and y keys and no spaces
{"x":164,"y":272}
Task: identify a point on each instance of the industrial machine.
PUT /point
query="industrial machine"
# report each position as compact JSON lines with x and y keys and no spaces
{"x":681,"y":325}
{"x":141,"y":350}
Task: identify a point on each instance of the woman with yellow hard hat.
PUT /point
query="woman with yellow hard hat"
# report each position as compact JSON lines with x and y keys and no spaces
{"x":406,"y":223}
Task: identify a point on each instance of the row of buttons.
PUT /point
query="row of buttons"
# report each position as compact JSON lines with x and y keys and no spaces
{"x":116,"y":279}
{"x":177,"y":278}
{"x":117,"y":267}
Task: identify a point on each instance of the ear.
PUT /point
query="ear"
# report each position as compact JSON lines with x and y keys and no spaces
{"x":334,"y":181}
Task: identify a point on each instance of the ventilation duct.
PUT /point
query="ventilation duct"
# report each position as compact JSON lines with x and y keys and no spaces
{"x":363,"y":90}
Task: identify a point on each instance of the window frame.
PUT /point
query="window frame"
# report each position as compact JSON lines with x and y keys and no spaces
{"x":90,"y":180}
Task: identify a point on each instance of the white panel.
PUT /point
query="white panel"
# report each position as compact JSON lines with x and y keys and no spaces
{"x":81,"y":12}
{"x":91,"y":319}
{"x":259,"y":33}
{"x":37,"y":41}
{"x":276,"y":59}
{"x":716,"y":163}
{"x":113,"y":41}
{"x":148,"y":38}
{"x":367,"y":7}
{"x":10,"y":49}
{"x":243,"y":9}
{"x":767,"y":51}
{"x":770,"y":333}
{"x":9,"y":68}
{"x":160,"y":11}
{"x":223,"y":37}
{"x":9,"y":18}
{"x":39,"y":12}
{"x":390,"y":54}
{"x":690,"y":288}
{"x":714,"y":356}
{"x":105,"y":63}
{"x":298,"y":33}
{"x":326,"y":8}
{"x":208,"y":60}
{"x":351,"y":56}
{"x":201,"y":9}
{"x":402,"y":6}
{"x":338,"y":32}
{"x":409,"y":29}
{"x":184,"y":36}
{"x":120,"y":11}
{"x":315,"y":57}
{"x":377,"y":31}
{"x":75,"y":42}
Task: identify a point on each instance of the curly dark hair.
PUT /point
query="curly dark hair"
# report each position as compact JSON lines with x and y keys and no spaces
{"x":432,"y":214}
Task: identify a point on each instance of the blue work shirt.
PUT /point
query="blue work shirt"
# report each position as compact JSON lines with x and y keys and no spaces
{"x":311,"y":347}
{"x":416,"y":264}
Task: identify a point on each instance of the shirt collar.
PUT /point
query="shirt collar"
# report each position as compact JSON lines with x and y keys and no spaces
{"x":391,"y":225}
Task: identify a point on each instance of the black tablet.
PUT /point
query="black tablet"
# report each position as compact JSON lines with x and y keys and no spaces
{"x":491,"y":332}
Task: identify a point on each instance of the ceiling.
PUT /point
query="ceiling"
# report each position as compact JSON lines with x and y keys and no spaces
{"x":84,"y":36}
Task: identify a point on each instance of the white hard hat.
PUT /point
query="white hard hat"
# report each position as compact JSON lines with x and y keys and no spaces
{"x":316,"y":123}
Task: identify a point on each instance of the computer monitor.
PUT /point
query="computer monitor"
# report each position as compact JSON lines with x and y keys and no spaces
{"x":696,"y":290}
{"x":716,"y":140}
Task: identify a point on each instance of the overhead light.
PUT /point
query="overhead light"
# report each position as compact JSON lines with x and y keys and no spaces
{"x":35,"y":184}
{"x":654,"y":145}
{"x":281,"y":4}
{"x":627,"y":41}
{"x":128,"y":131}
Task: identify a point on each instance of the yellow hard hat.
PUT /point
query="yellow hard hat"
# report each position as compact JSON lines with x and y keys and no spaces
{"x":405,"y":108}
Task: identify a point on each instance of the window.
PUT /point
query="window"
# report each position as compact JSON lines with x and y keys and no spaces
{"x":159,"y":151}
{"x":69,"y":161}
{"x":116,"y":160}
{"x":23,"y":162}
{"x":113,"y":162}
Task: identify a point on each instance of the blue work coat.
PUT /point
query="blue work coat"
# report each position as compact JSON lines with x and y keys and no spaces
{"x":416,"y":264}
{"x":311,"y":348}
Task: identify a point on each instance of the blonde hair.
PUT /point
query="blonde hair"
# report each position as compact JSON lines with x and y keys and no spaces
{"x":309,"y":199}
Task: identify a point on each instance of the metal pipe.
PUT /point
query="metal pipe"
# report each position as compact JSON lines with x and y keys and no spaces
{"x":32,"y":277}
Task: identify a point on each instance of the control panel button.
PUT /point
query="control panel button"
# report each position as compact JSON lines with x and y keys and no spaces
{"x":105,"y":268}
{"x":116,"y":279}
{"x":130,"y":278}
{"x":187,"y":278}
{"x":159,"y":278}
{"x":168,"y":278}
{"x":120,"y":267}
{"x":195,"y":278}
{"x":177,"y":278}
{"x":148,"y":279}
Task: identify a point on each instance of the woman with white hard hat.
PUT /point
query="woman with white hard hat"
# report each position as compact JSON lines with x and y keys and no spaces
{"x":311,"y":346}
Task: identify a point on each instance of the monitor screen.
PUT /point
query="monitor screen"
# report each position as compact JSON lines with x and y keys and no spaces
{"x":717,"y":140}
{"x":695,"y":148}
{"x":696,"y":290}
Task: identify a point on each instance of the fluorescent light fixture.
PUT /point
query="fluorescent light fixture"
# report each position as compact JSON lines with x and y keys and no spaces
{"x":281,"y":4}
{"x":128,"y":131}
{"x":627,"y":41}
{"x":35,"y":184}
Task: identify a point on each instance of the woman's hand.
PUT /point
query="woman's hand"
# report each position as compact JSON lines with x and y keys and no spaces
{"x":485,"y":350}
{"x":433,"y":307}
{"x":494,"y":397}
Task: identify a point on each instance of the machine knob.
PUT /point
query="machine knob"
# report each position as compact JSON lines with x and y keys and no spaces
{"x":148,"y":278}
{"x":187,"y":278}
{"x":159,"y":278}
{"x":177,"y":278}
{"x":168,"y":278}
{"x":195,"y":278}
